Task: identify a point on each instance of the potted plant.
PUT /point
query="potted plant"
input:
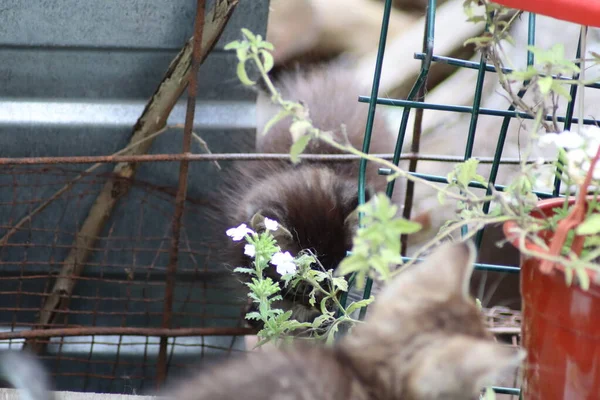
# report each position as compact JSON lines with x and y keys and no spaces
{"x":561,"y":293}
{"x":558,"y":237}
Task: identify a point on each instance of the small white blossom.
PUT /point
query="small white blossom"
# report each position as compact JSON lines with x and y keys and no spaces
{"x":566,"y":140}
{"x":540,"y":161}
{"x":590,"y":132}
{"x":577,"y":156}
{"x":271,"y":224}
{"x":284,"y":263}
{"x":238,"y":233}
{"x":250,"y":250}
{"x":580,"y":148}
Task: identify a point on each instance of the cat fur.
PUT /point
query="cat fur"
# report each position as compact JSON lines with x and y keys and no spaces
{"x":314,"y":202}
{"x":423,"y":339}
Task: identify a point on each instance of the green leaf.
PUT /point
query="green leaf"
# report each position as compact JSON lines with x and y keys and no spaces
{"x":351,"y":264}
{"x":545,"y":84}
{"x":323,"y":305}
{"x":359,"y":304}
{"x":242,"y":54}
{"x":331,"y":335}
{"x":489,"y":394}
{"x":249,"y":35}
{"x":319,"y":276}
{"x":284,"y":316}
{"x":268,"y":61}
{"x":467,"y":171}
{"x":233,"y":45}
{"x":441,"y":197}
{"x":299,"y":128}
{"x":526,"y":75}
{"x":298,"y":147}
{"x":583,"y":277}
{"x":404,"y":226}
{"x":245,"y":270}
{"x":242,"y":75}
{"x":320,"y":320}
{"x":340,"y":283}
{"x":568,"y":276}
{"x":590,"y":226}
{"x":478,"y":41}
{"x":560,"y":89}
{"x":266,"y":45}
{"x":254,"y":315}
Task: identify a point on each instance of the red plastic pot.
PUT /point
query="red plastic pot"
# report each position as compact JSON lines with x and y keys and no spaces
{"x":582,"y":12}
{"x":561,"y":327}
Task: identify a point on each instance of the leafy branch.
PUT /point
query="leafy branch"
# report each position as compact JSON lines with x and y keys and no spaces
{"x":376,"y":249}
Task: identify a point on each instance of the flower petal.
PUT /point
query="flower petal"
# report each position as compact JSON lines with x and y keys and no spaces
{"x":280,"y":258}
{"x":238,"y":233}
{"x":250,"y":250}
{"x":286,"y":268}
{"x":565,"y":139}
{"x":271,"y":224}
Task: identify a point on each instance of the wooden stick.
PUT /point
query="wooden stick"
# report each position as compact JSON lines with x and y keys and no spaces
{"x":153,"y":118}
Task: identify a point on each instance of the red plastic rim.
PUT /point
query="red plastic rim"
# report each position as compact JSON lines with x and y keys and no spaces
{"x":543,"y":210}
{"x":582,"y":12}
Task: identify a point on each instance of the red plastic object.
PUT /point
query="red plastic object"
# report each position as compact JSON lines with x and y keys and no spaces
{"x":582,"y":12}
{"x":560,"y":329}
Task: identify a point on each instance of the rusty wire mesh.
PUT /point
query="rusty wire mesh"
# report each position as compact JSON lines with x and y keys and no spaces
{"x":107,"y":332}
{"x":123,"y":285}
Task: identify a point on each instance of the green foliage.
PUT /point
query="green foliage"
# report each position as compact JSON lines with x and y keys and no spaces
{"x":464,"y":173}
{"x":591,"y":225}
{"x":298,"y":147}
{"x":325,"y":290}
{"x":489,"y":394}
{"x":494,"y":16}
{"x":376,"y":244}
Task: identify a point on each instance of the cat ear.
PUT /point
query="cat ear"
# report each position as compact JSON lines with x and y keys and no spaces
{"x":454,"y":264}
{"x":448,"y":270}
{"x":462,"y":366}
{"x":281,"y":234}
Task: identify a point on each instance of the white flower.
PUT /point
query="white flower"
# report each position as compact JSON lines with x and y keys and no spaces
{"x":237,"y":234}
{"x":585,"y":167}
{"x":540,"y":161}
{"x":565,"y":139}
{"x":590,"y":132}
{"x":250,"y":250}
{"x":577,"y":156}
{"x":592,"y":146}
{"x":284,"y":263}
{"x":271,"y":224}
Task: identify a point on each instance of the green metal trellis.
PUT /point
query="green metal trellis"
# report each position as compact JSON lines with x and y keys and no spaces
{"x":415,"y":99}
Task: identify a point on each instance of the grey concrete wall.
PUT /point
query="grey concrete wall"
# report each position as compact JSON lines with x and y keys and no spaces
{"x":74,"y":77}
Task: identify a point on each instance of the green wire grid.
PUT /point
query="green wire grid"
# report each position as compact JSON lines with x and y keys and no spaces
{"x":427,"y":57}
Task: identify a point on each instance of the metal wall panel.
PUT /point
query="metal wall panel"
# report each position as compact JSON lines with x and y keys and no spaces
{"x":74,"y":78}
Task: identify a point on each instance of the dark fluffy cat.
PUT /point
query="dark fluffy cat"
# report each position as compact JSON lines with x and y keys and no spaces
{"x":313,"y":201}
{"x":423,"y":339}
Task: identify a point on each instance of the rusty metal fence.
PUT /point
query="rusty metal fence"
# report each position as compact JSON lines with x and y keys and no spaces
{"x":106,"y":266}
